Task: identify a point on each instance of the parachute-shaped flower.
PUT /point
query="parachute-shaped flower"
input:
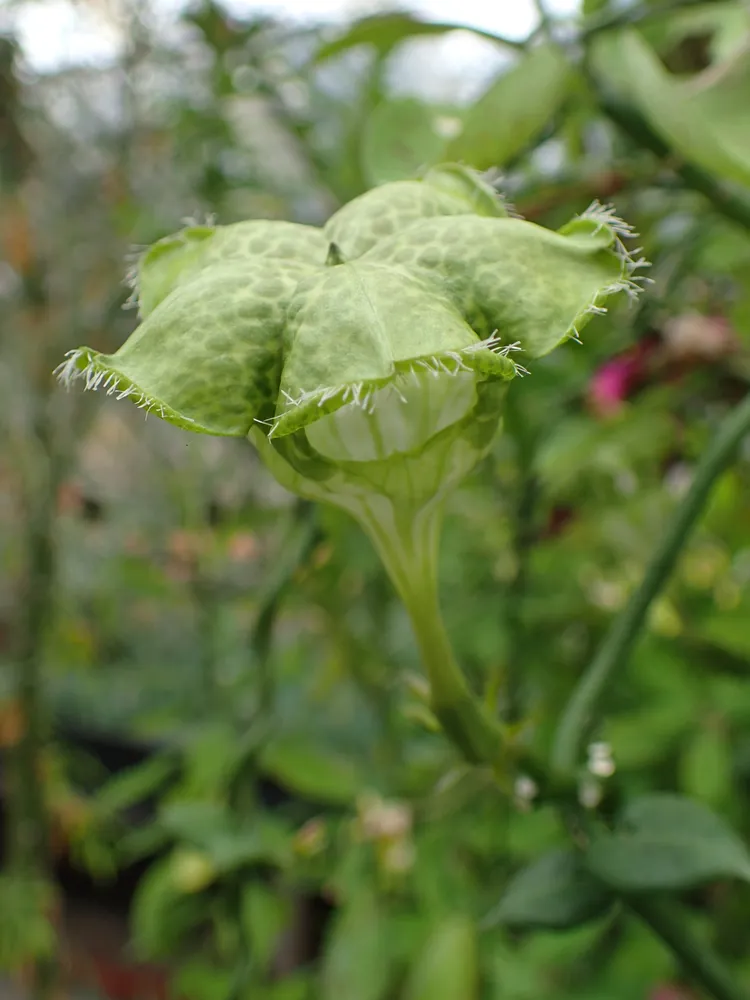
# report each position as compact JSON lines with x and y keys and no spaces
{"x":367,"y":360}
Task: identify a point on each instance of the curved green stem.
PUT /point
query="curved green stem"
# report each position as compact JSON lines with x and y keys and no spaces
{"x":407,"y":543}
{"x":581,"y":711}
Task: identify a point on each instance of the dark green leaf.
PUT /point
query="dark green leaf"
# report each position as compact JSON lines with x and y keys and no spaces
{"x":666,"y":842}
{"x":212,"y":828}
{"x":134,"y":785}
{"x":355,"y":963}
{"x":555,"y":891}
{"x":196,"y":822}
{"x":264,"y":915}
{"x":706,"y":766}
{"x":446,"y":967}
{"x":311,"y":771}
{"x":161,"y":914}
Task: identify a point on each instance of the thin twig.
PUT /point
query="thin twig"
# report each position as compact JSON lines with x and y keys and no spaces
{"x":544,"y":28}
{"x":581,"y":711}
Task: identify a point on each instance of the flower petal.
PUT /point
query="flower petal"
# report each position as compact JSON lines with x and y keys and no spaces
{"x":531,"y":285}
{"x":353,"y":327}
{"x":384,"y":211}
{"x":179,"y":258}
{"x":208,"y":357}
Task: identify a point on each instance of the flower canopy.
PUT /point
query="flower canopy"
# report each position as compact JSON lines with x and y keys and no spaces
{"x":275,"y":325}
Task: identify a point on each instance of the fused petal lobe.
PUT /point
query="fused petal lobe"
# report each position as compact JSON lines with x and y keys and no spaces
{"x":179,"y":259}
{"x":527,"y":283}
{"x":209,"y":356}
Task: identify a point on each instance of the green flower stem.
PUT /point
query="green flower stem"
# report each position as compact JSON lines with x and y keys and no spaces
{"x":695,"y":956}
{"x":407,"y":543}
{"x":582,"y":710}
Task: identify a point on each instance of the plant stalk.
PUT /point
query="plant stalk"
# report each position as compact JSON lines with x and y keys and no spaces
{"x":582,"y":709}
{"x":409,"y":551}
{"x":28,"y":841}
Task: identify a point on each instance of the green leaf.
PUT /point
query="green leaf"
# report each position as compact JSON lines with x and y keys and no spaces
{"x":199,"y":979}
{"x":355,"y":964}
{"x":264,"y":915}
{"x":555,"y":892}
{"x":514,"y":110}
{"x":703,"y":118}
{"x":706,"y":766}
{"x":131,"y":787}
{"x":230,"y":844}
{"x":311,"y":771}
{"x":399,"y":138}
{"x":727,"y":631}
{"x":195,"y":822}
{"x":724,"y":25}
{"x":294,"y":987}
{"x":211,"y":756}
{"x":385,"y":31}
{"x":665,"y":842}
{"x":161,"y":914}
{"x":446,"y":968}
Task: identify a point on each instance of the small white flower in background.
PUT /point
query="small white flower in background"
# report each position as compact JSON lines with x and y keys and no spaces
{"x":380,"y":820}
{"x":525,"y":791}
{"x":600,"y":760}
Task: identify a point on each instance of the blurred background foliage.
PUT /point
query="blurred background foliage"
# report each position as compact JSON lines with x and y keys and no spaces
{"x":212,"y":717}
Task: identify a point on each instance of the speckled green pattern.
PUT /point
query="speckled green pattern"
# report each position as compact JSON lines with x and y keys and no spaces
{"x":177,"y":259}
{"x":285,"y":324}
{"x":449,"y":189}
{"x":386,"y":211}
{"x":529,"y":284}
{"x":222,"y":329}
{"x":372,"y":340}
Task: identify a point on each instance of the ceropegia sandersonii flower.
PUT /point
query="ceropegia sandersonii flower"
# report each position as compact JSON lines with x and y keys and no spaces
{"x":366,"y":360}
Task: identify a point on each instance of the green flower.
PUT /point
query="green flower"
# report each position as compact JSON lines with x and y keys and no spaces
{"x":367,"y":360}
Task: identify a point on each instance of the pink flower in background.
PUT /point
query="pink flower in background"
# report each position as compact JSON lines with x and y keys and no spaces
{"x":616,"y":380}
{"x":685,"y":341}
